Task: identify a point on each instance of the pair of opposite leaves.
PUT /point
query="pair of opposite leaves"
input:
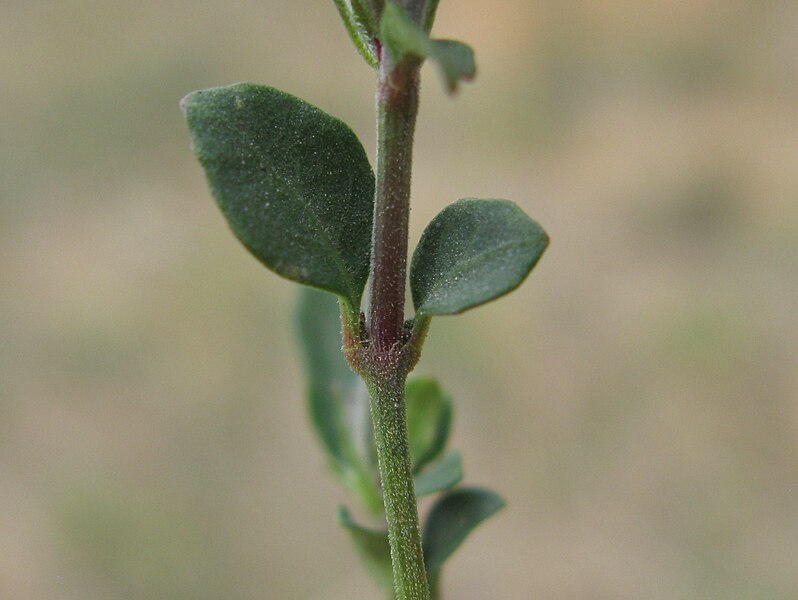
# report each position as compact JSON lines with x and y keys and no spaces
{"x":297,"y":189}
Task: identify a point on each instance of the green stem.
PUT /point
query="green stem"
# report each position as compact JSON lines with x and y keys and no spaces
{"x":388,"y":358}
{"x":390,"y":430}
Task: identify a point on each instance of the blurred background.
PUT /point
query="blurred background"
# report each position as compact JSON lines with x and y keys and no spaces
{"x":636,"y":401}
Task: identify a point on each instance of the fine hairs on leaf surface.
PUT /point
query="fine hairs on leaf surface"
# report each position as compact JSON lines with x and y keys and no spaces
{"x":297,"y":190}
{"x":294,"y":183}
{"x":474,"y":251}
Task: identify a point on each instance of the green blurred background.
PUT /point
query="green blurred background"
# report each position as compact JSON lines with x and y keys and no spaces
{"x":636,"y":401}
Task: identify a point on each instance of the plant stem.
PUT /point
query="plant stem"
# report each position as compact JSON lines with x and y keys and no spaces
{"x":388,"y":359}
{"x":390,"y":430}
{"x":397,"y":107}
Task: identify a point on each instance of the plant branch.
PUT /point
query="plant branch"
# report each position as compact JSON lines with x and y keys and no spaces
{"x":397,"y":107}
{"x":387,"y":394}
{"x":387,"y":361}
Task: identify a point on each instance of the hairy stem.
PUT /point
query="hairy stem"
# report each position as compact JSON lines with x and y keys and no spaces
{"x":397,"y":107}
{"x":390,"y":430}
{"x":389,"y":358}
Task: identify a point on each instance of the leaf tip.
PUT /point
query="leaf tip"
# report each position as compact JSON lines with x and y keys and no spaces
{"x":186,"y":101}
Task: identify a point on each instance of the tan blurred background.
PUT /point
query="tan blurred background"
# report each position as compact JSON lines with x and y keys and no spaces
{"x":636,"y":401}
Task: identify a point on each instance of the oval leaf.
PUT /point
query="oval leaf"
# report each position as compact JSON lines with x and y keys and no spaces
{"x":474,"y":251}
{"x":337,"y":399}
{"x":450,"y":521}
{"x":338,"y":410}
{"x":442,"y":475}
{"x":429,"y":419}
{"x":293,"y":182}
{"x":373,"y":548}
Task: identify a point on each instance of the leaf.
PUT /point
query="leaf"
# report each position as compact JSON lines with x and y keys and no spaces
{"x":360,"y":28}
{"x":293,"y":182}
{"x":337,"y":399}
{"x":429,"y":420}
{"x":450,"y":521}
{"x":432,"y":8}
{"x":400,"y":35}
{"x":442,"y":475}
{"x":472,"y":252}
{"x":455,"y":62}
{"x":403,"y":37}
{"x":369,"y":12}
{"x":373,"y":548}
{"x":330,"y":381}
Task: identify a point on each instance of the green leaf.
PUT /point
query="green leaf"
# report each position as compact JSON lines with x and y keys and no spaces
{"x":442,"y":475}
{"x":474,"y":251}
{"x":360,"y":27}
{"x":432,"y":8}
{"x":337,"y":399}
{"x":402,"y":37}
{"x":331,"y":384}
{"x":373,"y":548}
{"x":369,"y":12}
{"x":450,"y":521}
{"x":293,"y":182}
{"x":455,"y":62}
{"x":429,"y":420}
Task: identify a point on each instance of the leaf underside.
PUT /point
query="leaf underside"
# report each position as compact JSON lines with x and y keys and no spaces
{"x":451,"y":519}
{"x":429,"y":419}
{"x":293,"y":182}
{"x":337,"y":398}
{"x":440,"y":476}
{"x":333,"y":388}
{"x":474,"y":251}
{"x":373,"y":548}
